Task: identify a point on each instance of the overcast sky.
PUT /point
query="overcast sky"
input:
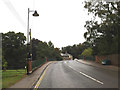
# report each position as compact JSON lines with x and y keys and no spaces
{"x":59,"y":21}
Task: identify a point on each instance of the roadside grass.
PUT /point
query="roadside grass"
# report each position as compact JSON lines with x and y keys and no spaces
{"x":10,"y":77}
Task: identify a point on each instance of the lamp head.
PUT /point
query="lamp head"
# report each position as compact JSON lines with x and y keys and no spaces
{"x":35,"y":14}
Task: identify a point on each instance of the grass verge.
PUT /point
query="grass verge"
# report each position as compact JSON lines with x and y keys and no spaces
{"x":10,"y":77}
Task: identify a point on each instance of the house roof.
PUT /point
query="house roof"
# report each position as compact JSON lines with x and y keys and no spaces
{"x":66,"y":54}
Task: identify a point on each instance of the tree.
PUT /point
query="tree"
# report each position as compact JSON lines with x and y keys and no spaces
{"x":35,"y":43}
{"x":58,"y":55}
{"x":50,"y":44}
{"x":4,"y":64}
{"x":44,"y":49}
{"x":76,"y":49}
{"x":87,"y":52}
{"x":103,"y":35}
{"x":14,"y":49}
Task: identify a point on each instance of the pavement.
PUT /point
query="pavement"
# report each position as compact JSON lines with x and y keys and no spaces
{"x":95,"y":64}
{"x":29,"y":80}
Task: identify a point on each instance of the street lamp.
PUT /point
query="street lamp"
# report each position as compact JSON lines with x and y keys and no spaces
{"x":35,"y":15}
{"x":29,"y":54}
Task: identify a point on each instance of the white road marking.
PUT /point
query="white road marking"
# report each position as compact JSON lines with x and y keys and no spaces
{"x":86,"y":75}
{"x":65,"y":62}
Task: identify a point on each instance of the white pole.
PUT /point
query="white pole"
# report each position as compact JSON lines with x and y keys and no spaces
{"x":28,"y":28}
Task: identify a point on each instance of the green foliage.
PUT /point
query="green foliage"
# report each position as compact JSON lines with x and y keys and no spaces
{"x":103,"y":36}
{"x":14,"y":50}
{"x":87,"y":52}
{"x":4,"y":64}
{"x":0,"y":53}
{"x":34,"y":48}
{"x":15,"y":53}
{"x":42,"y":49}
{"x":76,"y":50}
{"x":50,"y":44}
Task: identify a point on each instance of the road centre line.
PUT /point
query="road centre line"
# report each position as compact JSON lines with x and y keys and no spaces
{"x":65,"y":62}
{"x":87,"y":75}
{"x":39,"y":81}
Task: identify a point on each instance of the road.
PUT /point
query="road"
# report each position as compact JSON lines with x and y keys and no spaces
{"x":72,"y":74}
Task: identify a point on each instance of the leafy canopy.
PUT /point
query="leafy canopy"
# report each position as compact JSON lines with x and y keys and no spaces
{"x":103,"y":35}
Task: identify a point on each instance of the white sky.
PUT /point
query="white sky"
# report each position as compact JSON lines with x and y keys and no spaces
{"x":59,"y":21}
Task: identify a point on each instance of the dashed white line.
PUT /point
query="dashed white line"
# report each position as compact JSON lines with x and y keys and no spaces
{"x":65,"y":62}
{"x":86,"y":75}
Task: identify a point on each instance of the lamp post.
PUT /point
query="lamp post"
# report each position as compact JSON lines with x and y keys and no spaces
{"x":29,"y":52}
{"x":35,"y":15}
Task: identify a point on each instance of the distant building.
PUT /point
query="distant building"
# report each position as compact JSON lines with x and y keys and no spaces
{"x":67,"y":56}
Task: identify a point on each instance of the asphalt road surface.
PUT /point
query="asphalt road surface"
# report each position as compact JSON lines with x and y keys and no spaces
{"x":72,"y":74}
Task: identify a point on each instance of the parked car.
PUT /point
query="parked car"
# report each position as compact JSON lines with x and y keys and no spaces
{"x":75,"y":59}
{"x":106,"y":62}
